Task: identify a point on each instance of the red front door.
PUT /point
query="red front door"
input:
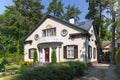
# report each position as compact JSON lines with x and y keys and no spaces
{"x":46,"y":54}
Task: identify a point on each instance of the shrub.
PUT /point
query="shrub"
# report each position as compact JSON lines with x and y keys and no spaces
{"x":35,"y":57}
{"x":25,"y":65}
{"x":53,"y":56}
{"x":78,"y":68}
{"x":117,"y":59}
{"x":62,"y":71}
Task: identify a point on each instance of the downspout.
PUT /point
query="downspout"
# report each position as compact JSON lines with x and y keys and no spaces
{"x":86,"y":48}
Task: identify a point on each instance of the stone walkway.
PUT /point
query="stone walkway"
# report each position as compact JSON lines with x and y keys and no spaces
{"x":101,"y":72}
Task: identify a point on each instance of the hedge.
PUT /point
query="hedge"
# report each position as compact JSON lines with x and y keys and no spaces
{"x":117,"y":59}
{"x":61,"y":71}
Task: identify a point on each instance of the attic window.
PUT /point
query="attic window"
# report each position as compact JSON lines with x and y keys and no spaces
{"x":91,"y":31}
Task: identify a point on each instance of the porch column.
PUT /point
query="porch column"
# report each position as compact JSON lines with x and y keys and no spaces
{"x":58,"y":54}
{"x":50,"y":51}
{"x":40,"y":55}
{"x":43,"y":55}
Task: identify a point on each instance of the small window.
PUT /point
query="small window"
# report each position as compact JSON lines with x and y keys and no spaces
{"x":31,"y":53}
{"x":94,"y":53}
{"x":89,"y":52}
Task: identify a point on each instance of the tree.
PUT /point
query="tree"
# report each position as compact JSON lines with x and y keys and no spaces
{"x":71,"y":11}
{"x":56,"y":8}
{"x":96,"y":8}
{"x":118,"y":20}
{"x":54,"y":59}
{"x":17,"y":21}
{"x":113,"y":25}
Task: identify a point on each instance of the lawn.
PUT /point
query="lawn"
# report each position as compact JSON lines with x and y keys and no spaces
{"x":6,"y":77}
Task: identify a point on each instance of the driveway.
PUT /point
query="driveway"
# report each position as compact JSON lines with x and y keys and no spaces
{"x":101,"y":72}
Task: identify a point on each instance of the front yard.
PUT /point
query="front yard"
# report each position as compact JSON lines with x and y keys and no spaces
{"x":7,"y":77}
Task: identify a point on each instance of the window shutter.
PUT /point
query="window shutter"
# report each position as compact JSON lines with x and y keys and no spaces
{"x":76,"y":51}
{"x":29,"y":55}
{"x":65,"y":52}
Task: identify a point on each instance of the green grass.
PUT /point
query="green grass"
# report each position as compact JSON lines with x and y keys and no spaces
{"x":7,"y":77}
{"x":12,"y":67}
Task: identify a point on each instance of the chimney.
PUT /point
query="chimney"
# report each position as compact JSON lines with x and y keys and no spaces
{"x":72,"y":20}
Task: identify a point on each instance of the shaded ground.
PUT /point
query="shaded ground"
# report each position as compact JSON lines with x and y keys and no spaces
{"x":101,"y":72}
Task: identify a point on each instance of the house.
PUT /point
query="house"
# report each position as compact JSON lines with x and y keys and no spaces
{"x":106,"y":45}
{"x":70,"y":41}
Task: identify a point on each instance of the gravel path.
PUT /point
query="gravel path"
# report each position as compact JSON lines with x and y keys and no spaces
{"x":101,"y":72}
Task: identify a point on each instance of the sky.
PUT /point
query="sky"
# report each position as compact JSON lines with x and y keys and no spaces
{"x":81,"y":4}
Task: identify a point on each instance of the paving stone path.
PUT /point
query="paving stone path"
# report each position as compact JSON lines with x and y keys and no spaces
{"x":101,"y":72}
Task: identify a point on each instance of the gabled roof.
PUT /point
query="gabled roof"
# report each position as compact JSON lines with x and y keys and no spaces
{"x":85,"y":26}
{"x":105,"y":43}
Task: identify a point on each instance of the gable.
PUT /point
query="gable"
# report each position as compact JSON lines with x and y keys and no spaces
{"x":66,"y":24}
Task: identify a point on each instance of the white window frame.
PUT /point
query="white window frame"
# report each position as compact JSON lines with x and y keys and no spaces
{"x":70,"y":51}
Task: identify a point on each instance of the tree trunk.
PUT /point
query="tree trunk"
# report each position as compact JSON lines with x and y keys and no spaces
{"x":99,"y":32}
{"x":113,"y":34}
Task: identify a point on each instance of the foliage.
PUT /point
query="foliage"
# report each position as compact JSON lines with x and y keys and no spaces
{"x":24,"y":65}
{"x":16,"y":22}
{"x":117,"y":59}
{"x":78,"y":68}
{"x":72,"y":11}
{"x":106,"y":56}
{"x":62,"y":71}
{"x":3,"y":64}
{"x":35,"y":59}
{"x":56,"y":8}
{"x":54,"y":59}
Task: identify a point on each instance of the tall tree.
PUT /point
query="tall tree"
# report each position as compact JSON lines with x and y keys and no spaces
{"x":72,"y":11}
{"x":113,"y":25}
{"x":96,"y":8}
{"x":56,"y":8}
{"x":19,"y":19}
{"x":118,"y":20}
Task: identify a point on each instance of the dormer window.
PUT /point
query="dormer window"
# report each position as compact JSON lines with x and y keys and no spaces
{"x":49,"y":32}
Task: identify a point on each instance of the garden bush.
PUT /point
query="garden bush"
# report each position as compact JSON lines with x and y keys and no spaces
{"x":54,"y":59}
{"x":61,"y":71}
{"x":78,"y":68}
{"x":25,"y":65}
{"x":117,"y":59}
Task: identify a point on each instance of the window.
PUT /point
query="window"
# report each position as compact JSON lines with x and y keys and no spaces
{"x":71,"y":51}
{"x":118,"y":45}
{"x":31,"y":53}
{"x":89,"y":52}
{"x":49,"y":32}
{"x":94,"y":53}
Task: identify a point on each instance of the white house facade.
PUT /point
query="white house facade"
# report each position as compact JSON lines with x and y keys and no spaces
{"x":70,"y":41}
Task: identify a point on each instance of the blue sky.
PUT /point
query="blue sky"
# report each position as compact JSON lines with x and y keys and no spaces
{"x":81,"y":4}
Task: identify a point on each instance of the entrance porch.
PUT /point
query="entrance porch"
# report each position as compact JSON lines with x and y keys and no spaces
{"x":45,"y":52}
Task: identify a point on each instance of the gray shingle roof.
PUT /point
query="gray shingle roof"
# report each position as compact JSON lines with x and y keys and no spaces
{"x":85,"y":25}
